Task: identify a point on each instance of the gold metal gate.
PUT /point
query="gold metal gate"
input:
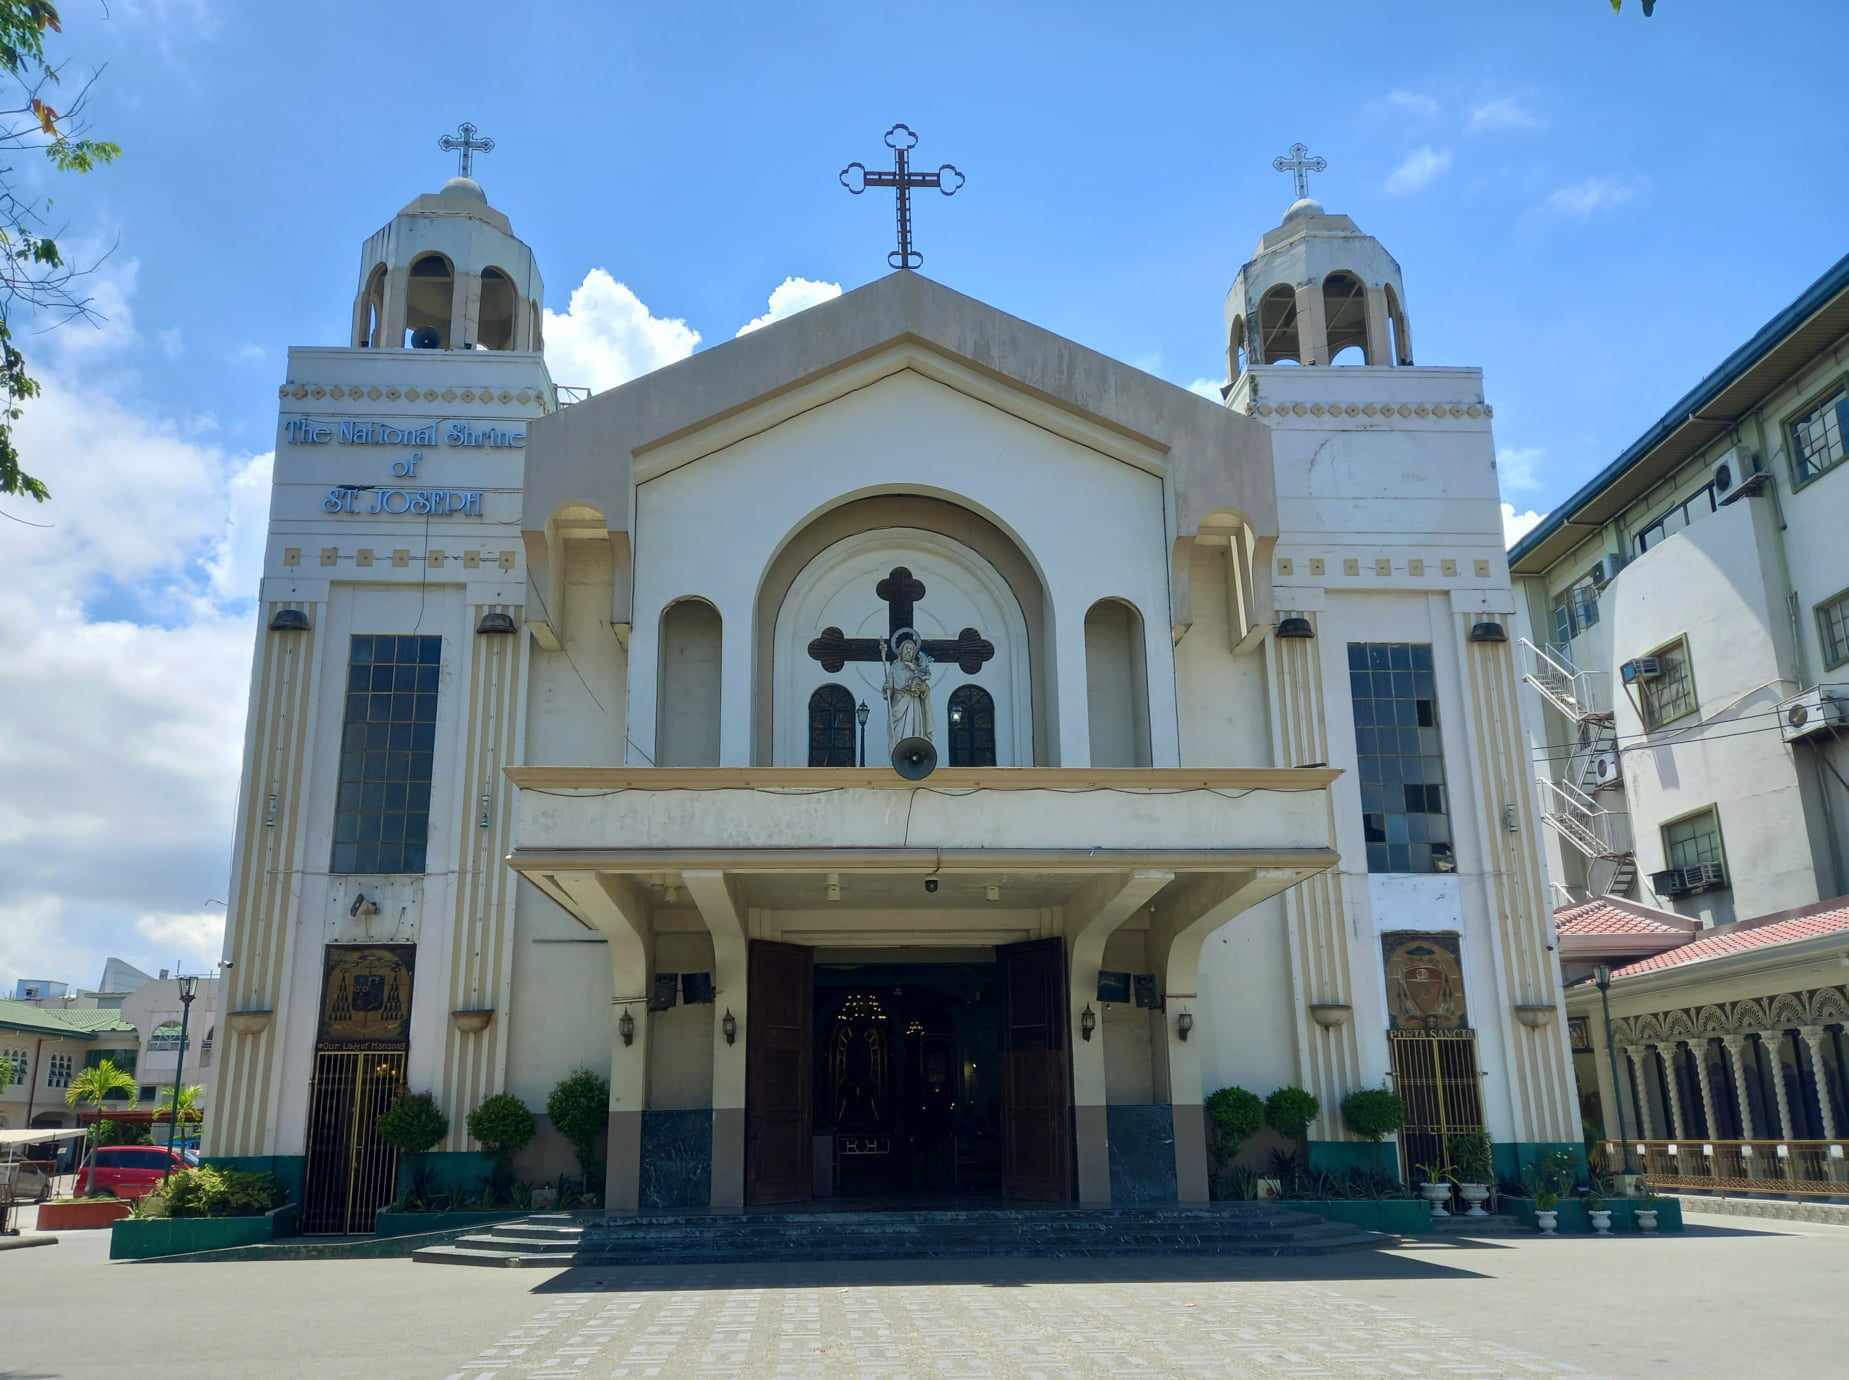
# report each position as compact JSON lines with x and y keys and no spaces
{"x":350,"y":1171}
{"x":1435,"y":1074}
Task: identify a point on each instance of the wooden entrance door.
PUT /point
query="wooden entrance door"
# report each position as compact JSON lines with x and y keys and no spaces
{"x":779,"y":1109}
{"x":1036,"y":1073}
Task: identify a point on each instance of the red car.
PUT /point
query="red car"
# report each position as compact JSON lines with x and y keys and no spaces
{"x":129,"y":1171}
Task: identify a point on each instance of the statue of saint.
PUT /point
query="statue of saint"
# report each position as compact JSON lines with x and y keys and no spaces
{"x":908,"y":687}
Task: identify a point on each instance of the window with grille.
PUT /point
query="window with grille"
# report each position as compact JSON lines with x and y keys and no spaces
{"x":972,"y":727}
{"x":382,"y":815}
{"x":1672,"y":694}
{"x":1693,"y":841}
{"x":58,"y":1071}
{"x":16,"y":1061}
{"x":831,"y":726}
{"x":1405,"y":817}
{"x":1817,"y":438}
{"x":1833,"y":630}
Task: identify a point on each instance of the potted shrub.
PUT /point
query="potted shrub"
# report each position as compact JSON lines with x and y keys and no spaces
{"x":1233,"y":1117}
{"x":1289,"y":1111}
{"x":415,"y":1125}
{"x":1436,"y":1188}
{"x":1648,"y":1204}
{"x":1374,"y":1114}
{"x":1474,"y":1158}
{"x":580,"y":1110}
{"x":1595,"y":1206}
{"x":503,"y":1124}
{"x":1544,"y":1187}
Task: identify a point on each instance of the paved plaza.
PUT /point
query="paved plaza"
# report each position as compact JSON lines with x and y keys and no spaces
{"x":1732,"y":1296}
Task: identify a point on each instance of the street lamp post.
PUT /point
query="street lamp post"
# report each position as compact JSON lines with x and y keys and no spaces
{"x":1602,"y":976}
{"x":860,"y":717}
{"x":188,"y":988}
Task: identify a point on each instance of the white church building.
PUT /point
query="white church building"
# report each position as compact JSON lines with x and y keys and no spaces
{"x":569,"y":744}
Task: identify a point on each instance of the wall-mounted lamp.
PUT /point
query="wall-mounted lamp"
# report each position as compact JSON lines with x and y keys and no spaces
{"x":832,"y":888}
{"x":289,"y":620}
{"x":1295,"y":626}
{"x":484,"y":815}
{"x":269,"y":812}
{"x":1088,"y":1022}
{"x":495,"y":622}
{"x":1509,"y":821}
{"x":626,"y":1027}
{"x":729,"y":1024}
{"x":1183,"y":1024}
{"x":992,"y":892}
{"x":1489,"y":630}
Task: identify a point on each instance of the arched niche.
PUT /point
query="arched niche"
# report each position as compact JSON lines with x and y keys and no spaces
{"x":855,"y":514}
{"x":691,"y":659}
{"x":430,"y":294}
{"x":500,"y":304}
{"x":839,"y":589}
{"x":1116,"y":685}
{"x":1278,"y":327}
{"x":1345,"y":317}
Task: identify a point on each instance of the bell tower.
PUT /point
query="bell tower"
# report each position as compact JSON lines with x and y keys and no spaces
{"x":1316,"y":291}
{"x":448,"y":273}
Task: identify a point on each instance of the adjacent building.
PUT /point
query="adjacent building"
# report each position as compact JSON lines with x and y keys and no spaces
{"x":905,"y":752}
{"x":1685,"y":640}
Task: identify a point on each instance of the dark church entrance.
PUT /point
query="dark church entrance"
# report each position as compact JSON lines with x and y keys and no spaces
{"x":925,"y":1080}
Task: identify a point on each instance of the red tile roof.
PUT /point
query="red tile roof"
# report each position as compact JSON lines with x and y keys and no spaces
{"x":1831,"y":918}
{"x":1604,"y":916}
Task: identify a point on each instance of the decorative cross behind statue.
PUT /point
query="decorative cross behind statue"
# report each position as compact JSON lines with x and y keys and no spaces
{"x":468,"y":145}
{"x":900,"y":590}
{"x":856,"y":178}
{"x":1298,"y":164}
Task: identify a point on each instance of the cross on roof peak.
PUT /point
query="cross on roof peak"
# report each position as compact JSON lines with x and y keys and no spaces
{"x":948,"y":179}
{"x":1300,"y":163}
{"x":467,"y":145}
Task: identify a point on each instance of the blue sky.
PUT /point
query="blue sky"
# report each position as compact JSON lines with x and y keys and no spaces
{"x":1594,"y":209}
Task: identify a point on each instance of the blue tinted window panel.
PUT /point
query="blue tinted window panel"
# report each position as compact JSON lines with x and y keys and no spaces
{"x":387,"y":754}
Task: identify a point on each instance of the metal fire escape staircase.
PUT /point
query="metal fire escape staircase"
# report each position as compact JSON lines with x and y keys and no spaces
{"x":1571,"y":803}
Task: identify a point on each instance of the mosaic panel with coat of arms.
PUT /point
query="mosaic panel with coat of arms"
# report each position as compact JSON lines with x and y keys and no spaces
{"x":366,"y":994}
{"x":1425,"y":982}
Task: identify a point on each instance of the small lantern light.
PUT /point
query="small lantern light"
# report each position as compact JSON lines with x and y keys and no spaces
{"x":626,"y":1027}
{"x":1295,"y":626}
{"x":289,"y":620}
{"x":496,"y":621}
{"x":860,"y":713}
{"x":1088,"y":1022}
{"x":729,"y":1024}
{"x":1489,"y":630}
{"x":1183,"y":1024}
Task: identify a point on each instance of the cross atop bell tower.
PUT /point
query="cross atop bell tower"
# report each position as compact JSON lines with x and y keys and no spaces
{"x":468,"y":146}
{"x":1299,"y":165}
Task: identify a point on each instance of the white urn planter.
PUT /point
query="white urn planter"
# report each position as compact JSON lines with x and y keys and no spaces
{"x":1646,"y":1219}
{"x":1546,"y":1219}
{"x":1474,"y":1196}
{"x":1270,"y":1188}
{"x":1436,"y":1196}
{"x":1601,"y":1220}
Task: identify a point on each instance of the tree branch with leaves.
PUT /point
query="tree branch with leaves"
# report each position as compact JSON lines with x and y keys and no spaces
{"x":37,"y":282}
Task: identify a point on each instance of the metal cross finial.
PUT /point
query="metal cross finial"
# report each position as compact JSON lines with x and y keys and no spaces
{"x":1298,"y":164}
{"x":468,"y":145}
{"x":901,"y":140}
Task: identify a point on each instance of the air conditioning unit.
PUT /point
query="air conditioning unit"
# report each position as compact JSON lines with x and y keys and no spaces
{"x":1640,"y":669}
{"x":1735,"y":471}
{"x":1820,"y":709}
{"x":1606,"y":569}
{"x":1606,"y":770}
{"x":1687,"y":881}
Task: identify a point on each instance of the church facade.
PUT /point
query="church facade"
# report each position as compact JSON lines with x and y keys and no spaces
{"x":907,"y":753}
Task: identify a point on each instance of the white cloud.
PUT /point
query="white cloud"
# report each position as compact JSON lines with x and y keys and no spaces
{"x":1591,"y":195}
{"x":109,"y":288}
{"x":172,"y":342}
{"x":1516,"y":525}
{"x":1207,"y":388}
{"x":1518,"y":467}
{"x":606,"y":336}
{"x":789,"y":297}
{"x":193,"y":940}
{"x":1422,"y":167}
{"x":1505,"y":113}
{"x":1413,"y":103}
{"x":247,"y":353}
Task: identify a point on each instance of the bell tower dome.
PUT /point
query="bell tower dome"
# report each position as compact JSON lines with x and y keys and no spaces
{"x":1316,"y":291}
{"x":448,"y":273}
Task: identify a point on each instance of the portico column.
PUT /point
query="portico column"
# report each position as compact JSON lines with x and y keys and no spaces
{"x":1666,"y":1051}
{"x":1312,"y":325}
{"x":1092,"y":916}
{"x":1379,"y":346}
{"x":620,"y":911}
{"x":397,"y":288}
{"x":718,"y":900}
{"x":1640,"y":1082}
{"x":1813,"y":1037}
{"x":1778,"y":1079}
{"x":1735,"y":1045}
{"x":1707,"y":1093}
